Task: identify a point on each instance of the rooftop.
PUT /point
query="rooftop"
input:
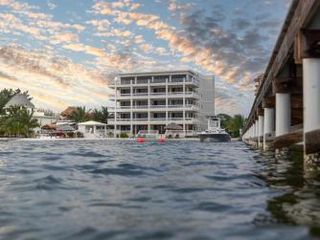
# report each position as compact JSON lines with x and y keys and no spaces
{"x":20,"y":100}
{"x":157,"y":73}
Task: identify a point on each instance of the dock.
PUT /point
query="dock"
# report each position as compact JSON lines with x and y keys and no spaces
{"x":286,"y":109}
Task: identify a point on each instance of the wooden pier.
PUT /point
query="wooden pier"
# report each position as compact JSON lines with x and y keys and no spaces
{"x":286,"y":110}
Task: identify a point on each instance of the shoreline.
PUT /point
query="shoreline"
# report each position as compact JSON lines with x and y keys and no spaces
{"x":97,"y":139}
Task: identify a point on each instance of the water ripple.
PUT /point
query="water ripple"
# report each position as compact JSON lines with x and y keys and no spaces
{"x":178,"y":190}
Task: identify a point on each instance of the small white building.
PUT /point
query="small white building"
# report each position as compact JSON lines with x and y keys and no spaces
{"x":93,"y":129}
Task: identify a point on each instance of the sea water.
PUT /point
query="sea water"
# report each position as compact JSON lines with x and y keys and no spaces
{"x":176,"y":190}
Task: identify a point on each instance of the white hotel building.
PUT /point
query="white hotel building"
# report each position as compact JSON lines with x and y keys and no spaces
{"x":151,"y":101}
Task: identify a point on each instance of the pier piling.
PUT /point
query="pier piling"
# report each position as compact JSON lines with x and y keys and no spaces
{"x":286,"y":110}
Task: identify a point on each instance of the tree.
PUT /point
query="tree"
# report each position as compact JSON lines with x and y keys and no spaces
{"x":235,"y":124}
{"x":101,"y":115}
{"x":7,"y":94}
{"x":80,"y":115}
{"x":18,"y":122}
{"x":224,"y":119}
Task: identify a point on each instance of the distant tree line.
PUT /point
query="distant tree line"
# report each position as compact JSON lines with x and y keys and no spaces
{"x":232,"y":124}
{"x":80,"y":114}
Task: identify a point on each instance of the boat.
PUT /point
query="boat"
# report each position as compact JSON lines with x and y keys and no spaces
{"x":149,"y":136}
{"x":214,"y":133}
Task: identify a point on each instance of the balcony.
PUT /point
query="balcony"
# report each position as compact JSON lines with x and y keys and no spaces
{"x":153,"y":108}
{"x":127,"y":121}
{"x":174,"y":80}
{"x":157,"y":95}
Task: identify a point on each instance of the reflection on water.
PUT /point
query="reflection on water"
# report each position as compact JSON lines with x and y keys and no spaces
{"x":300,"y":202}
{"x":178,"y":190}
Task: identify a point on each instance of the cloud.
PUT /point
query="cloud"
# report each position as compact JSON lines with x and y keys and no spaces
{"x":51,"y":5}
{"x":101,"y":25}
{"x":124,"y":35}
{"x":79,"y":47}
{"x":67,"y":37}
{"x":146,"y":47}
{"x":53,"y":82}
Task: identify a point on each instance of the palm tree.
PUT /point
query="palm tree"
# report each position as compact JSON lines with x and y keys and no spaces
{"x":80,"y":115}
{"x":101,"y":115}
{"x":18,"y":122}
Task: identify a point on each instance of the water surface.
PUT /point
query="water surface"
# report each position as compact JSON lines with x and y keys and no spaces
{"x":176,"y":190}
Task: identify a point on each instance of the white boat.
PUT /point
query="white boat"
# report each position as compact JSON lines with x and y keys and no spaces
{"x":214,"y":133}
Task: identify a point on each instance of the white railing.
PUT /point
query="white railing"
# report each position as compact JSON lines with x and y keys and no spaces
{"x":151,"y":119}
{"x":173,"y":80}
{"x":188,"y":106}
{"x":140,"y":94}
{"x":155,"y":94}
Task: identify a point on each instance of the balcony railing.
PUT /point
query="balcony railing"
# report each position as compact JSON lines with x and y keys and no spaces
{"x":151,"y":81}
{"x":151,"y":119}
{"x":158,"y":106}
{"x":157,"y":94}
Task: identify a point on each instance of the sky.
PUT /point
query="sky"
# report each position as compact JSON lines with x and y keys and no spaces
{"x":67,"y":52}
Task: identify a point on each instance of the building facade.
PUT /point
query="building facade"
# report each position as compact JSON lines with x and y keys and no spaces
{"x":151,"y":101}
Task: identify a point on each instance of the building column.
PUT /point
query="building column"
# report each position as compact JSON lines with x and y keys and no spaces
{"x":311,"y":102}
{"x":184,"y":105}
{"x":260,"y":134}
{"x":115,"y":110}
{"x":283,"y":114}
{"x":131,"y":110}
{"x":167,"y":102}
{"x":149,"y":105}
{"x":268,"y":125}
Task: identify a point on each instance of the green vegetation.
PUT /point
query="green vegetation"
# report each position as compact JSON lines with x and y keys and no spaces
{"x":232,"y":124}
{"x":81,"y":115}
{"x":124,"y":135}
{"x":6,"y":95}
{"x":101,"y":115}
{"x":16,"y":121}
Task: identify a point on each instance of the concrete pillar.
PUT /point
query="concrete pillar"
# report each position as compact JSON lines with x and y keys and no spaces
{"x":268,"y":125}
{"x":257,"y":127}
{"x":260,"y":134}
{"x":311,"y":101}
{"x":283,"y":113}
{"x":311,"y":94}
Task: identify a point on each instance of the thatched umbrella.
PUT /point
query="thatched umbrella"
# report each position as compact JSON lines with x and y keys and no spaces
{"x":20,"y":100}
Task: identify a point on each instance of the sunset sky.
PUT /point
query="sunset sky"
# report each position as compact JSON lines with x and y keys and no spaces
{"x":66,"y":51}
